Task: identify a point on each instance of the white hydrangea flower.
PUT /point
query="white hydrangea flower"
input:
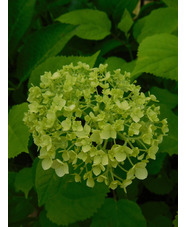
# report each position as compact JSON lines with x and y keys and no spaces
{"x":90,"y":123}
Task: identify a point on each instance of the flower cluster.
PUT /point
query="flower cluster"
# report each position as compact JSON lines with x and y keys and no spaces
{"x":94,"y":125}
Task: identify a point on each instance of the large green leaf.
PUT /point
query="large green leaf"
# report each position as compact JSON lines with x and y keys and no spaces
{"x":66,"y":201}
{"x":93,"y":24}
{"x":160,"y":185}
{"x":18,"y":134}
{"x":115,"y":63}
{"x":165,"y":18}
{"x":154,"y":166}
{"x":45,"y":222}
{"x":170,"y":142}
{"x":157,"y":214}
{"x":11,"y":180}
{"x":158,"y":54}
{"x":20,"y":13}
{"x":171,"y":3}
{"x":119,"y":63}
{"x":24,"y":181}
{"x":109,"y":45}
{"x":41,"y":45}
{"x":126,"y":22}
{"x":19,"y":209}
{"x":167,"y":102}
{"x":160,"y":221}
{"x":54,"y":63}
{"x":165,"y":97}
{"x":121,"y":213}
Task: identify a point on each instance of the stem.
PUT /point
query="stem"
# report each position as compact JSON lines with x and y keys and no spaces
{"x":130,"y":52}
{"x":122,"y":168}
{"x":114,"y":195}
{"x":142,"y":144}
{"x":105,"y":144}
{"x":125,"y":44}
{"x":119,"y":178}
{"x":78,"y":165}
{"x":130,"y":161}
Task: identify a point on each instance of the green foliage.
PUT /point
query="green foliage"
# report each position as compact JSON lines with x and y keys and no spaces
{"x":18,"y":134}
{"x":155,"y":166}
{"x":160,"y":184}
{"x":165,"y":18}
{"x":126,"y":22}
{"x":19,"y":18}
{"x":160,"y":221}
{"x":168,"y":101}
{"x":54,"y":63}
{"x":118,"y":63}
{"x":171,"y":3}
{"x":120,"y":213}
{"x":157,"y":214}
{"x":24,"y":181}
{"x":116,"y":7}
{"x":121,"y":6}
{"x":157,"y":55}
{"x":92,"y":24}
{"x":66,"y":201}
{"x":46,"y":43}
{"x":44,"y":221}
{"x":19,"y":207}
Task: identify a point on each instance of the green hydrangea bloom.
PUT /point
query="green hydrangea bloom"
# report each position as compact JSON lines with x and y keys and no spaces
{"x":94,"y":125}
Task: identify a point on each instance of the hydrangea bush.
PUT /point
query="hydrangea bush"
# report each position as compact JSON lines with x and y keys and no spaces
{"x":94,"y":124}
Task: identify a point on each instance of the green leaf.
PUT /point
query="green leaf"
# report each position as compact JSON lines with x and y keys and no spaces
{"x":165,"y":97}
{"x":18,"y":134}
{"x":160,"y":221}
{"x":44,"y":221}
{"x":19,"y":19}
{"x":154,"y":166}
{"x":154,"y":209}
{"x":66,"y":201}
{"x":54,"y":63}
{"x":93,"y":24}
{"x":138,"y":27}
{"x":109,"y":45}
{"x":165,"y":18}
{"x":159,"y":185}
{"x":170,"y":142}
{"x":157,"y":214}
{"x":121,"y":6}
{"x":171,"y":3}
{"x":158,"y":55}
{"x":115,"y":63}
{"x":41,"y":45}
{"x":119,"y":63}
{"x":19,"y":209}
{"x":126,"y":22}
{"x":121,"y":213}
{"x":24,"y":181}
{"x":11,"y":180}
{"x":167,"y":102}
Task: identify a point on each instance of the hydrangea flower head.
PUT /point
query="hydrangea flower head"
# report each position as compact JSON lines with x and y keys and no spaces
{"x":94,"y":125}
